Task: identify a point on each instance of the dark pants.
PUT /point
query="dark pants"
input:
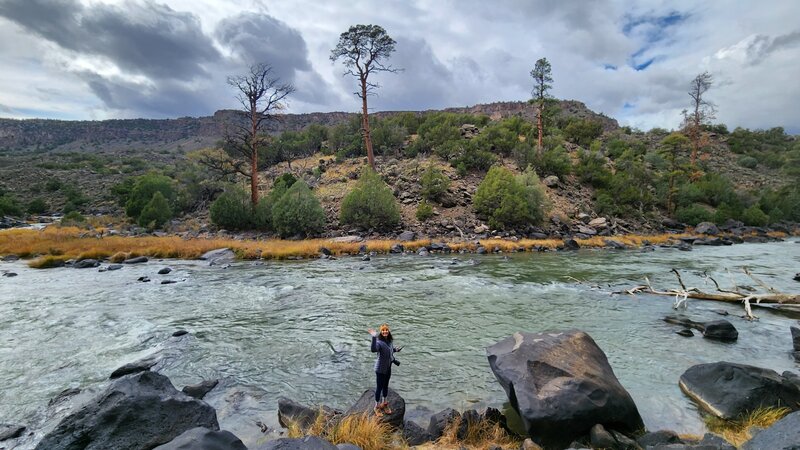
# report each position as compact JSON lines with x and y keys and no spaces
{"x":382,"y":389}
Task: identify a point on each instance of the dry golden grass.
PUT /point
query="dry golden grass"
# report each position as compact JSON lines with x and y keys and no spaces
{"x":365,"y":431}
{"x":480,"y":435}
{"x":77,"y":243}
{"x":737,"y":431}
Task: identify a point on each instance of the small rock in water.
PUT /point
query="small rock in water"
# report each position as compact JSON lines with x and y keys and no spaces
{"x":164,"y":271}
{"x":114,"y":267}
{"x":168,"y":281}
{"x":136,"y":260}
{"x":685,"y":332}
{"x":143,"y":279}
{"x":180,"y":333}
{"x":721,"y":312}
{"x":797,"y":276}
{"x":9,"y":274}
{"x":366,"y":258}
{"x":200,"y":390}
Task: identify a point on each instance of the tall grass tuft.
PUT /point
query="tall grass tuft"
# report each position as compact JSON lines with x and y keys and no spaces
{"x":366,"y":431}
{"x":479,"y":435}
{"x":737,"y":431}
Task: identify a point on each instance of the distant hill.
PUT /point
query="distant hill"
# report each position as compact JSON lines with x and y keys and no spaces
{"x":193,"y":133}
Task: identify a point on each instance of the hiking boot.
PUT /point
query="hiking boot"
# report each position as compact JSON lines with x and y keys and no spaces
{"x":378,"y":411}
{"x":385,"y":408}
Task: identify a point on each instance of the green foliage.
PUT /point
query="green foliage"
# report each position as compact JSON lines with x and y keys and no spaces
{"x":754,"y":216}
{"x":712,"y":189}
{"x":433,"y":183}
{"x":9,"y":206}
{"x":69,"y":207}
{"x":73,"y":218}
{"x":53,"y":185}
{"x":122,"y":191}
{"x":232,"y":210}
{"x":771,"y":148}
{"x":693,"y":214}
{"x":345,"y":141}
{"x":292,"y":145}
{"x":592,"y":168}
{"x":554,"y":162}
{"x":371,"y":204}
{"x":156,"y":212}
{"x":501,"y":137}
{"x":74,"y":196}
{"x":538,"y":202}
{"x":144,"y":188}
{"x":36,"y":206}
{"x":725,"y":212}
{"x":387,"y":136}
{"x":628,"y":190}
{"x":424,"y":211}
{"x":582,"y":132}
{"x":298,"y":212}
{"x":785,"y":200}
{"x":287,"y":179}
{"x":747,"y":161}
{"x":506,"y":201}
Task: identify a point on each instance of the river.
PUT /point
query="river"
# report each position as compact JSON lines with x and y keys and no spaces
{"x":299,"y":329}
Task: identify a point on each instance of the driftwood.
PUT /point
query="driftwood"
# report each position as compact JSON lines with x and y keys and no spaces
{"x":773,"y":298}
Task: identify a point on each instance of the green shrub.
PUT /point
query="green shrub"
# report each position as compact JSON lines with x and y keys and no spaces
{"x":754,"y":216}
{"x":554,"y":162}
{"x":725,"y":212}
{"x":433,"y":183}
{"x":371,"y":204}
{"x":232,"y":210}
{"x":474,"y":158}
{"x":298,"y":212}
{"x":73,"y":218}
{"x":592,"y":169}
{"x":52,"y":185}
{"x":424,"y":211}
{"x":69,"y":207}
{"x":156,"y":212}
{"x":503,"y":200}
{"x":535,"y":192}
{"x":143,"y":190}
{"x":37,"y":206}
{"x":9,"y":206}
{"x":786,"y":200}
{"x":287,"y":179}
{"x":628,"y":190}
{"x":747,"y":161}
{"x":693,"y":214}
{"x":74,"y":196}
{"x":582,"y":132}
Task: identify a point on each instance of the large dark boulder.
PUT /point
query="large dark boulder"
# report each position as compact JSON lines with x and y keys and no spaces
{"x":415,"y":434}
{"x":306,"y":443}
{"x":782,"y":435}
{"x":721,"y":330}
{"x":728,"y":390}
{"x":292,"y":413}
{"x":138,"y":411}
{"x":706,"y":228}
{"x":204,"y":439}
{"x":561,"y":385}
{"x":442,"y":420}
{"x":134,"y":367}
{"x":366,"y":404}
{"x":86,"y":264}
{"x":200,"y":390}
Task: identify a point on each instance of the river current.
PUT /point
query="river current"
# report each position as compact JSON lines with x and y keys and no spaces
{"x":299,"y":329}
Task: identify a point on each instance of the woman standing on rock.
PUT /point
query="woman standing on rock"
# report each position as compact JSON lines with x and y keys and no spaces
{"x":382,"y":345}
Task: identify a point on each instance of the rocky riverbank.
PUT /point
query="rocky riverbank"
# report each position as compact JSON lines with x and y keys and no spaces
{"x":560,"y":387}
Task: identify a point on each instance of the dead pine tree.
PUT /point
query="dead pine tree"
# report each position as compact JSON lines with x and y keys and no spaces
{"x":262,"y":95}
{"x":702,"y":113}
{"x":362,"y":49}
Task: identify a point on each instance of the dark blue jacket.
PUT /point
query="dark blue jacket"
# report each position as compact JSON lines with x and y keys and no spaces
{"x":385,"y":351}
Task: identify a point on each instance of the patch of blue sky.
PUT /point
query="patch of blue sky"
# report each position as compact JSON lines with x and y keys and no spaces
{"x":643,"y":65}
{"x":43,"y":113}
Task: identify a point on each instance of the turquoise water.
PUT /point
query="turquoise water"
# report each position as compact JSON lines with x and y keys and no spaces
{"x":298,"y":329}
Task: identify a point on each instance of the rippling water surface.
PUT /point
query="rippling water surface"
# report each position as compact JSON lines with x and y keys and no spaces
{"x":298,"y":329}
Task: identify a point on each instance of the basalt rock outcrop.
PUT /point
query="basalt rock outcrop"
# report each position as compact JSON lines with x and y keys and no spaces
{"x":561,"y":385}
{"x":728,"y":390}
{"x":137,"y":411}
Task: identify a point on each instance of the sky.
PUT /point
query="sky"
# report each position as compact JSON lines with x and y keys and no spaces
{"x":631,"y":60}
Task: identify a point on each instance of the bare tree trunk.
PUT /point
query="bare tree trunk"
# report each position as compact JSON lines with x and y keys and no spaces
{"x":254,"y":158}
{"x":365,"y":124}
{"x":539,"y":125}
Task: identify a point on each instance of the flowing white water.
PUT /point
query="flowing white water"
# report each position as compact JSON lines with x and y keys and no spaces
{"x":298,"y":329}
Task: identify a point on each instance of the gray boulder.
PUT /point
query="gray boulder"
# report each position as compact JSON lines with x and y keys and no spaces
{"x":291,"y":412}
{"x":204,"y":439}
{"x":200,"y":390}
{"x":661,"y":437}
{"x":136,"y":260}
{"x":440,"y":421}
{"x":728,"y":390}
{"x":571,"y":244}
{"x":396,"y":248}
{"x":137,"y":411}
{"x":306,"y":443}
{"x":366,"y":404}
{"x":134,"y":367}
{"x":406,"y":236}
{"x":561,"y":385}
{"x":795,"y":338}
{"x":9,"y":431}
{"x":782,"y":435}
{"x":86,"y":264}
{"x":219,"y":256}
{"x":165,"y":270}
{"x":721,"y":330}
{"x":415,"y":434}
{"x":706,"y":228}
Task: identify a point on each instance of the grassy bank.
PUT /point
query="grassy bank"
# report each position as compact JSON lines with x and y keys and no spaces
{"x":53,"y":245}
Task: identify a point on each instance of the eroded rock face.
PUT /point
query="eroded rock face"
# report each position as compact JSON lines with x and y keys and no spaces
{"x":727,"y":390}
{"x":137,"y":411}
{"x":561,"y":385}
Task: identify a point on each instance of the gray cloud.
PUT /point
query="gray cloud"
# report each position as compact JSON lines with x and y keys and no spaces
{"x":141,"y":37}
{"x":761,"y":47}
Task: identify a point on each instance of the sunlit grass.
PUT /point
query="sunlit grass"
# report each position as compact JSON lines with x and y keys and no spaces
{"x":480,"y":435}
{"x":77,"y":243}
{"x":365,"y":431}
{"x":737,"y":431}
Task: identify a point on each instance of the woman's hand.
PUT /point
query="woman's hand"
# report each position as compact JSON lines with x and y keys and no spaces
{"x":372,"y":332}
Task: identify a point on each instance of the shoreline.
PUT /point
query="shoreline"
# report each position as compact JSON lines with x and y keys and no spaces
{"x":56,"y":246}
